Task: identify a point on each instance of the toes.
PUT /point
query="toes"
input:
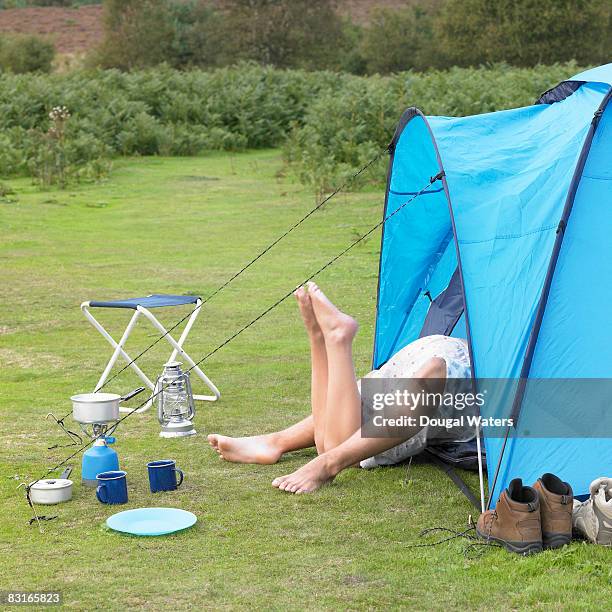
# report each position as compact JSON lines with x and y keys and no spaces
{"x":278,"y":481}
{"x":312,"y":286}
{"x":213,"y":440}
{"x":288,"y":485}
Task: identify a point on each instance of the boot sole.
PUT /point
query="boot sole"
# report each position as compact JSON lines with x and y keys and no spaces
{"x":520,"y":548}
{"x":555,"y":540}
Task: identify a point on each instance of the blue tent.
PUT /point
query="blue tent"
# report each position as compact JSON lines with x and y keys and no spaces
{"x":513,"y":243}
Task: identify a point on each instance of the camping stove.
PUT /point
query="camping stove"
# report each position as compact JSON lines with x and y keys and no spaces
{"x":99,"y":457}
{"x":98,"y":415}
{"x":175,"y":404}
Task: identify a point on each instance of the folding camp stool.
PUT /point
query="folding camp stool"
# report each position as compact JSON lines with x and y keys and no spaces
{"x":142,"y":306}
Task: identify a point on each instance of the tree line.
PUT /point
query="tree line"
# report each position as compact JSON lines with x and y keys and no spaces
{"x":312,"y":35}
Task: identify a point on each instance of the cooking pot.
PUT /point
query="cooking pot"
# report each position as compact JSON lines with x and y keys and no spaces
{"x":99,"y":407}
{"x":51,"y":491}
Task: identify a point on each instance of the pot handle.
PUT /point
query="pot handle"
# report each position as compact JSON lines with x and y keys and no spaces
{"x":131,"y":394}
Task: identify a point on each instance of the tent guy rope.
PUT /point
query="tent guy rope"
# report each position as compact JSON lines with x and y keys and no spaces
{"x":257,"y":257}
{"x":279,"y":301}
{"x":234,"y":276}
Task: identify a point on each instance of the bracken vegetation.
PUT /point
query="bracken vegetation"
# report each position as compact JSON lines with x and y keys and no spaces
{"x":328,"y":123}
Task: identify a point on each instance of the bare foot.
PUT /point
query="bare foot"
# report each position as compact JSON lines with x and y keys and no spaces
{"x":307,"y":479}
{"x":308,"y":315}
{"x":254,"y":449}
{"x":335,"y":325}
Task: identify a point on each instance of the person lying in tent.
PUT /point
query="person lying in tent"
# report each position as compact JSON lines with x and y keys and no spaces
{"x":334,"y":426}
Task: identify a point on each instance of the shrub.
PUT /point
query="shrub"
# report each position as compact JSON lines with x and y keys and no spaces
{"x":5,"y":190}
{"x":397,"y":40}
{"x":20,"y":53}
{"x":284,"y":33}
{"x":199,"y":36}
{"x":137,"y":34}
{"x":525,"y":32}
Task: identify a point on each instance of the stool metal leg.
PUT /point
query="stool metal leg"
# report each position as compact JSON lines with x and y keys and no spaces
{"x":118,"y":347}
{"x":118,"y":350}
{"x":190,"y":322}
{"x":178,"y":349}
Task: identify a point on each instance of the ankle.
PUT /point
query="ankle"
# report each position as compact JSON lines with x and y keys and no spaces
{"x":277,"y":441}
{"x":341,"y":331}
{"x":316,"y":336}
{"x":331,"y":463}
{"x":338,"y":336}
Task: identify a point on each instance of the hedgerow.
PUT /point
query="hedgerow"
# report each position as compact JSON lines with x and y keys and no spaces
{"x":328,"y":123}
{"x":342,"y":130}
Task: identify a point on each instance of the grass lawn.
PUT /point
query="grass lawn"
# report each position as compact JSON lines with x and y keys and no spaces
{"x":183,"y":226}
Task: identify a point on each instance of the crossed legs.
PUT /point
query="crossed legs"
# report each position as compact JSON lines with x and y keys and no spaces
{"x":335,"y":401}
{"x":334,"y":424}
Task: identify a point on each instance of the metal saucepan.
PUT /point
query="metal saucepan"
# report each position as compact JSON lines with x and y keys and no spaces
{"x":52,"y":490}
{"x":99,"y":407}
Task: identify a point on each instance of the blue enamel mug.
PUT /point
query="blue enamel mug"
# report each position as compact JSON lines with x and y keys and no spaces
{"x":112,"y":487}
{"x":162,"y":475}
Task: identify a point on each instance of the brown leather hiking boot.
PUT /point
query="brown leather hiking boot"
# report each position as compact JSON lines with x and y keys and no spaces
{"x":556,"y":503}
{"x":515,"y":523}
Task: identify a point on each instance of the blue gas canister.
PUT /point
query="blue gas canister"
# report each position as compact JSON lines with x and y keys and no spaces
{"x":97,"y":459}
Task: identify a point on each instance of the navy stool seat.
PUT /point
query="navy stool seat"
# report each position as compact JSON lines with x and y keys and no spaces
{"x":157,"y":300}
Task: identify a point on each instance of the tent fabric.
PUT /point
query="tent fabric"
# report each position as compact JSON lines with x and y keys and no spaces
{"x":496,"y":217}
{"x":600,"y":74}
{"x":445,"y":310}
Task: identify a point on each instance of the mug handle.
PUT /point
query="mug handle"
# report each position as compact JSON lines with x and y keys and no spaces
{"x":101,"y":498}
{"x":180,"y":473}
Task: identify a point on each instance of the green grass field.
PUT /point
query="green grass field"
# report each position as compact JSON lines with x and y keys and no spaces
{"x":183,"y":226}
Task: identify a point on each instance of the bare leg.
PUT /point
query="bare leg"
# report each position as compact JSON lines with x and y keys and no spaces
{"x":343,"y":410}
{"x":324,"y":468}
{"x":268,"y":448}
{"x":318,"y":366}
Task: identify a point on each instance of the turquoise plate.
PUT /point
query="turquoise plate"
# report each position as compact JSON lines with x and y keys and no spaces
{"x":151,"y":521}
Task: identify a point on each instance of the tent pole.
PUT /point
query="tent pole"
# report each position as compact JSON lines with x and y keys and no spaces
{"x":480,"y":474}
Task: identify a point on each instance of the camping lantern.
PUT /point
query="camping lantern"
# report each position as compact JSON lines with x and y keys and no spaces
{"x":175,"y":405}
